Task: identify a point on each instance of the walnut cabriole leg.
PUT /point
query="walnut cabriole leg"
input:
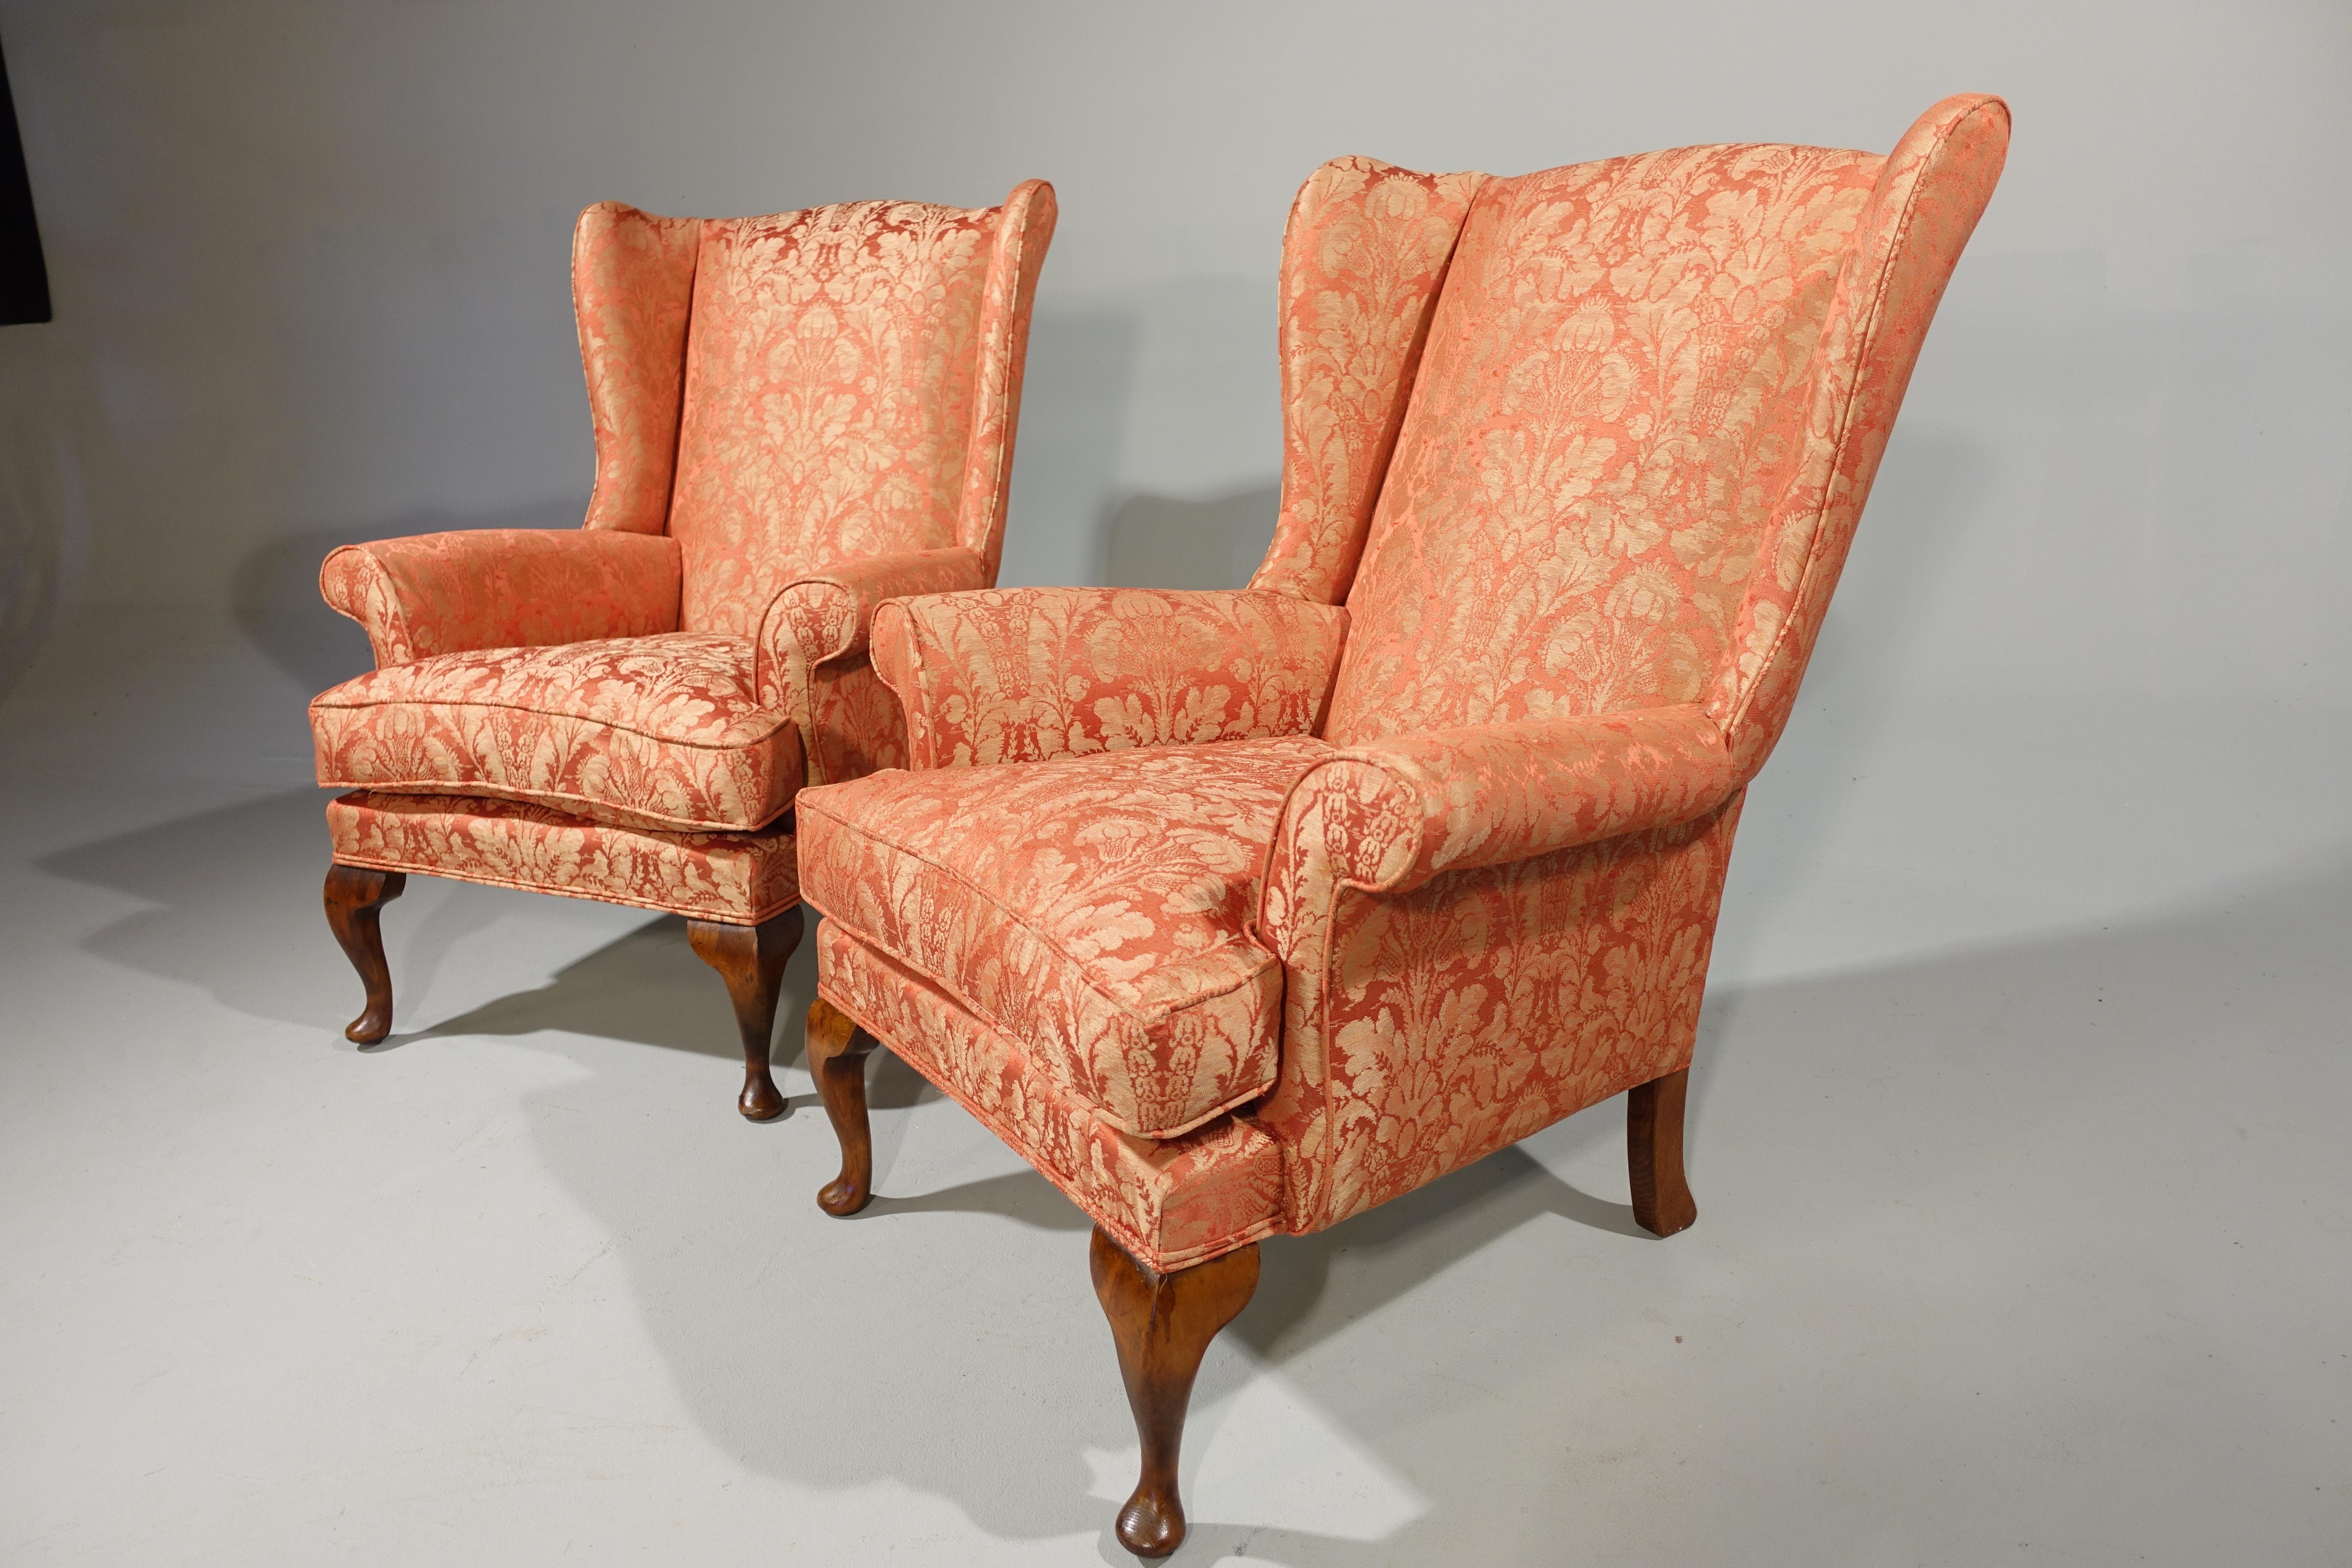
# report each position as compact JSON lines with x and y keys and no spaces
{"x":836,"y":1059}
{"x":1162,"y":1324}
{"x":355,"y":898}
{"x":752,"y":959}
{"x":1654,"y":1148}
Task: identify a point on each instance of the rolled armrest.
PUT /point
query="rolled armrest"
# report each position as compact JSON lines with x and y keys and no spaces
{"x":1395,"y":813}
{"x":1022,"y":674}
{"x":828,"y":615}
{"x":503,"y":587}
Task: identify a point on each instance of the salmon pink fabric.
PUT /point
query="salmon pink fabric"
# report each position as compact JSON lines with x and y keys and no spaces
{"x":501,"y":587}
{"x":1094,"y":908}
{"x":1024,"y":674}
{"x":797,"y":416}
{"x":1177,"y":1200}
{"x":655,"y":732}
{"x":736,"y":879}
{"x":1636,"y":407}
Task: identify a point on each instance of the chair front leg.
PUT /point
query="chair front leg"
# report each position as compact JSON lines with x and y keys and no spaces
{"x":1162,"y":1324}
{"x":836,"y":1059}
{"x":355,"y":898}
{"x":752,"y":959}
{"x":1662,"y":1204}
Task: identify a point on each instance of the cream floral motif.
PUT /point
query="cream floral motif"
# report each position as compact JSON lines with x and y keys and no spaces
{"x":1363,"y":259}
{"x":829,"y":389}
{"x":1172,"y":1200}
{"x":1094,"y":907}
{"x":501,"y":587}
{"x":1652,"y":398}
{"x":1614,"y":387}
{"x":631,"y":281}
{"x":655,"y":732}
{"x":738,"y":878}
{"x":1024,"y":674}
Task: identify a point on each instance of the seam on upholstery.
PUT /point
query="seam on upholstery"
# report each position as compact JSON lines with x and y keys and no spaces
{"x":1135,"y":1243}
{"x":1859,"y":365}
{"x":385,"y":863}
{"x":1000,"y":1025}
{"x":782,"y":719}
{"x":1205,"y":995}
{"x":1003,"y":397}
{"x":649,"y":819}
{"x":677,"y":430}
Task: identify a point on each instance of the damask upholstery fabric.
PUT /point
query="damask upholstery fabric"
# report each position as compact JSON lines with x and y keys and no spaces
{"x":632,"y":284}
{"x":1025,"y":674}
{"x":501,"y":587}
{"x":1653,"y":395}
{"x":1362,"y":260}
{"x":1615,"y":388}
{"x":736,"y":879}
{"x":1094,"y":908}
{"x":1402,"y":809}
{"x":1170,"y":1201}
{"x":652,"y":731}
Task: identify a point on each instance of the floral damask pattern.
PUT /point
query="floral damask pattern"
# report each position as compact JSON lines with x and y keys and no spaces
{"x":1094,"y":908}
{"x":1425,"y":1030}
{"x":631,"y":282}
{"x":1615,"y":388}
{"x":1169,"y":1201}
{"x":655,"y":731}
{"x":1024,"y":674}
{"x":1363,"y":259}
{"x":829,"y":389}
{"x":501,"y":587}
{"x":796,"y":417}
{"x":1652,"y":396}
{"x":738,"y":879}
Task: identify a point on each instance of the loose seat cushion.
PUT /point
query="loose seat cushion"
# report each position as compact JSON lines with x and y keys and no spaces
{"x":661,"y":732}
{"x":1093,"y":909}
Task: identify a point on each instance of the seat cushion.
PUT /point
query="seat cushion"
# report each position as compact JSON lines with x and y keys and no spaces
{"x":661,"y":732}
{"x":1093,"y":909}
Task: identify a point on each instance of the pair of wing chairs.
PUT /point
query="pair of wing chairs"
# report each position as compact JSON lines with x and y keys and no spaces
{"x":1235,"y":913}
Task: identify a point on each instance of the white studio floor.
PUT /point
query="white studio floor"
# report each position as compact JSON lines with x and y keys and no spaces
{"x":2017,"y":1133}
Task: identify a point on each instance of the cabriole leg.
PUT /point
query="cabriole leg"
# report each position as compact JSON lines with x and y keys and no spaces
{"x":1653,"y":1147}
{"x":836,"y":1059}
{"x":355,"y":898}
{"x":1163,"y":1323}
{"x":752,"y":959}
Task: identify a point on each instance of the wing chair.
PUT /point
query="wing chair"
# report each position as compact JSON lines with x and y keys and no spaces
{"x":1239,"y":913}
{"x":797,"y":416}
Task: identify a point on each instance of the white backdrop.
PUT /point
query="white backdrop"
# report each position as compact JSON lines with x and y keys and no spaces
{"x":309,"y":269}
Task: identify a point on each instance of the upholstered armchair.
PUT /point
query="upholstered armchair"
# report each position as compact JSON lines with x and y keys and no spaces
{"x":797,"y":416}
{"x":1240,"y":913}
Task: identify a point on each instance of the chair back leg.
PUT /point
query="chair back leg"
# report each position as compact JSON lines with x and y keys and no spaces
{"x":1662,"y":1204}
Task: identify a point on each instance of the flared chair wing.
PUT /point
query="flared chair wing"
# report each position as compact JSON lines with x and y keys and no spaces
{"x":1572,"y":463}
{"x":797,"y":416}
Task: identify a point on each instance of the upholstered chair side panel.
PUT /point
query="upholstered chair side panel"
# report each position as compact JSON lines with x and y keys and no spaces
{"x":1620,"y":354}
{"x":502,"y":587}
{"x":1933,"y":188}
{"x":1363,"y":258}
{"x":737,"y":879}
{"x":1024,"y":674}
{"x":828,"y":400}
{"x":1172,"y":1201}
{"x":1425,"y":1030}
{"x":1025,"y":228}
{"x":813,"y":662}
{"x":631,"y":281}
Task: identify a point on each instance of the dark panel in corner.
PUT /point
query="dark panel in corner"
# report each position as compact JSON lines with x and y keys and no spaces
{"x":24,"y":277}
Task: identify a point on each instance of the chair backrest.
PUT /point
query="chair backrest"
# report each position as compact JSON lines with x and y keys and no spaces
{"x":782,"y":393}
{"x":1652,"y":398}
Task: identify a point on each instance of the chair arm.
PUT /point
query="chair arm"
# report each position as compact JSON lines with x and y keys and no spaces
{"x":828,"y":615}
{"x":1395,"y":813}
{"x":503,"y":587}
{"x":1022,"y":674}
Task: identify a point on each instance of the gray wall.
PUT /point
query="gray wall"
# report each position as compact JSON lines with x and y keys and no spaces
{"x":309,"y":262}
